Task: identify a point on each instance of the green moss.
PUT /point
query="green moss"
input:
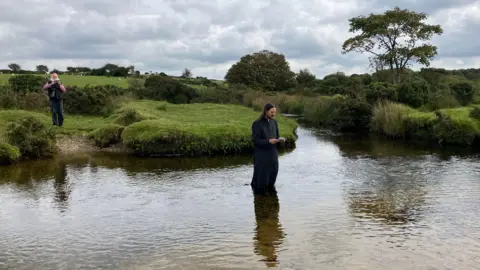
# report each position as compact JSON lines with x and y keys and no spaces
{"x":107,"y":135}
{"x":9,"y":154}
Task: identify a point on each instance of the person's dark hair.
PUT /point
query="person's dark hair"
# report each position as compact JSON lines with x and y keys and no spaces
{"x":266,"y":108}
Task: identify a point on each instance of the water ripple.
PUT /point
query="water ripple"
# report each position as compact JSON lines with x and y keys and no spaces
{"x":341,"y":204}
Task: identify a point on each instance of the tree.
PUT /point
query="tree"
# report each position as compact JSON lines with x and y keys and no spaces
{"x":264,"y":69}
{"x":305,"y":77}
{"x":42,"y":69}
{"x":14,"y":67}
{"x":187,"y":73}
{"x":395,"y":38}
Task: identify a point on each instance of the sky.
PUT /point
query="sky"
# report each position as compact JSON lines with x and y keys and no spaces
{"x":208,"y":36}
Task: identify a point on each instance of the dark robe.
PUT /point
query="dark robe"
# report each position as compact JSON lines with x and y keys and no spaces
{"x":265,"y":156}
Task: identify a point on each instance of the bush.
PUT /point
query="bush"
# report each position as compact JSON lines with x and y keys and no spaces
{"x":441,"y":97}
{"x":128,"y":117}
{"x":107,"y":135}
{"x":321,"y":111}
{"x":32,"y":137}
{"x":380,"y":91}
{"x":221,"y":95}
{"x":26,"y":83}
{"x":463,"y":91}
{"x":353,"y":115}
{"x":33,"y":101}
{"x":9,"y":154}
{"x":7,"y":97}
{"x":419,"y":126}
{"x":475,"y":113}
{"x":455,"y":130}
{"x":388,"y":118}
{"x":90,"y":100}
{"x":168,"y":89}
{"x":414,"y":92}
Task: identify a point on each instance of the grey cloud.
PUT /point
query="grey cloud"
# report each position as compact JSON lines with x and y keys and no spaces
{"x":170,"y":35}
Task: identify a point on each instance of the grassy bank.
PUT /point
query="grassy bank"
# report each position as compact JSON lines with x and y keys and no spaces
{"x":454,"y":126}
{"x":153,"y":128}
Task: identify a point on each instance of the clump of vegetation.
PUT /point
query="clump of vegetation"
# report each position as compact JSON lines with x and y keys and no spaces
{"x":107,"y":135}
{"x":475,"y":113}
{"x":32,"y":137}
{"x":127,"y":117}
{"x":9,"y":154}
{"x":455,"y":130}
{"x":388,"y":118}
{"x":168,"y":89}
{"x":196,"y":129}
{"x":91,"y":100}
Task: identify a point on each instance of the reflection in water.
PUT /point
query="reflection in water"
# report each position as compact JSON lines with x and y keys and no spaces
{"x":62,"y":188}
{"x":359,"y":204}
{"x":268,"y":231}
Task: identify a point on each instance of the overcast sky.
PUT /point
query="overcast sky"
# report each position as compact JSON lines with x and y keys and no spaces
{"x":208,"y":36}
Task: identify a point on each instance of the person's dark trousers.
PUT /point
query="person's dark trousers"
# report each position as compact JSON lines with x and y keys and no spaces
{"x":56,"y":107}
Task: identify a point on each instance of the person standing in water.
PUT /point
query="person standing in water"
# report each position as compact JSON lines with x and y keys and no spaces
{"x":55,"y":93}
{"x":265,"y":136}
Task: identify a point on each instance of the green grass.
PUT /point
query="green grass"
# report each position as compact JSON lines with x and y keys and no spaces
{"x":159,"y":127}
{"x":81,"y":81}
{"x":453,"y":126}
{"x":194,"y":128}
{"x":74,"y":80}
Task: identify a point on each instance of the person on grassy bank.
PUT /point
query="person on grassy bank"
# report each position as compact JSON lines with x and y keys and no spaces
{"x":55,"y":93}
{"x":265,"y":136}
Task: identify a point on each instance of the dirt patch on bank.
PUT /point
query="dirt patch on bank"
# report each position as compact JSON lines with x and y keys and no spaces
{"x":79,"y":144}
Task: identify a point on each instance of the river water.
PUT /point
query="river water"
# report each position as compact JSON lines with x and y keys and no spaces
{"x":341,"y":204}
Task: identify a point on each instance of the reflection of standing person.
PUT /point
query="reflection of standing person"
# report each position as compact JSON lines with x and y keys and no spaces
{"x":268,"y":232}
{"x":62,"y":189}
{"x":265,"y":136}
{"x":55,"y":94}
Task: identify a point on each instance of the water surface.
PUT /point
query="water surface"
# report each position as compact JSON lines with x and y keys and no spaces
{"x":341,"y":204}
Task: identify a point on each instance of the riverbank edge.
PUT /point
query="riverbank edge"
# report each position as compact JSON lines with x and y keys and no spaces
{"x":78,"y":144}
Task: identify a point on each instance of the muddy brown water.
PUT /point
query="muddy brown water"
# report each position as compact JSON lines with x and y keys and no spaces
{"x":341,"y":204}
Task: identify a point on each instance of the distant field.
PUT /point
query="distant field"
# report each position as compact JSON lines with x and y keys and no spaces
{"x":81,"y":80}
{"x":92,"y":80}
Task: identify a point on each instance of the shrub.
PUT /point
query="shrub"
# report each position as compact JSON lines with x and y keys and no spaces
{"x":221,"y":95}
{"x":33,"y":101}
{"x":90,"y":100}
{"x":441,"y":97}
{"x":419,"y":126}
{"x":380,"y":91}
{"x":9,"y":154}
{"x":292,"y":104}
{"x":107,"y":135}
{"x":455,"y":130}
{"x":463,"y":91}
{"x":414,"y":92}
{"x":353,"y":115}
{"x":7,"y":97}
{"x":128,"y":117}
{"x":388,"y":118}
{"x":32,"y":137}
{"x":475,"y":113}
{"x":322,"y":111}
{"x":26,"y":83}
{"x":168,"y":89}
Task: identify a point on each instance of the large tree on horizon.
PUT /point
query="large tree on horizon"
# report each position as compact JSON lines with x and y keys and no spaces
{"x":394,"y":38}
{"x":264,"y":69}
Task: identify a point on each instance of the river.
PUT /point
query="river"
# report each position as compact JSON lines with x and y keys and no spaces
{"x":341,"y":204}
